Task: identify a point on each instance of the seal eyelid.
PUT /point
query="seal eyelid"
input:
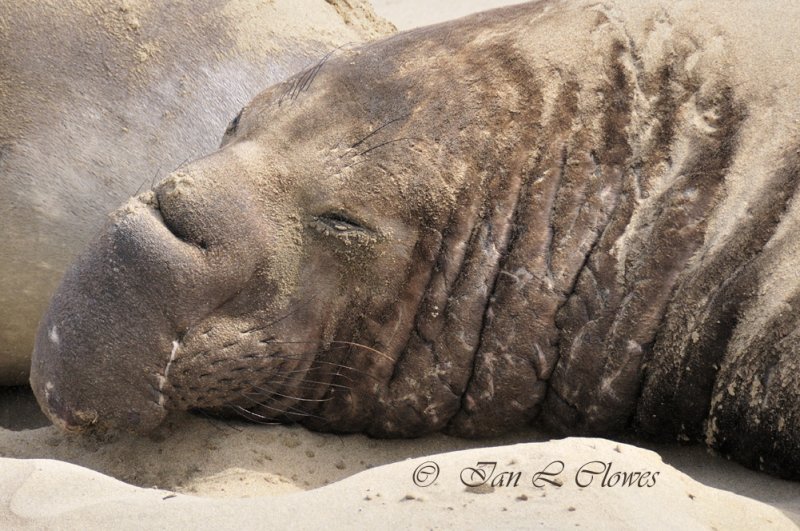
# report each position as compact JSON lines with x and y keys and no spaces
{"x":344,"y":221}
{"x":340,"y":225}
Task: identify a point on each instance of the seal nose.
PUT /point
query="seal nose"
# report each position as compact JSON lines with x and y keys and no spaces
{"x":178,"y":200}
{"x":203,"y":205}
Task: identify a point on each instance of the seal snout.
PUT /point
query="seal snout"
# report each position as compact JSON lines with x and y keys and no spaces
{"x":164,"y":261}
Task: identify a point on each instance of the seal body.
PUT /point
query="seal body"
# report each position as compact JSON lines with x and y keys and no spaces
{"x":100,"y":99}
{"x":572,"y":214}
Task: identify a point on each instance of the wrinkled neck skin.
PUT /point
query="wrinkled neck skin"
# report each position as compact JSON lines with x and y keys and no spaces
{"x":466,"y":228}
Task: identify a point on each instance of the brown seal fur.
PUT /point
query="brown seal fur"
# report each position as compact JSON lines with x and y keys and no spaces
{"x":575,"y":214}
{"x":99,"y":99}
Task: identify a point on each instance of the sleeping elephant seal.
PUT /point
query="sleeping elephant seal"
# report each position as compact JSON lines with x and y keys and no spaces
{"x":99,"y":99}
{"x":565,"y":213}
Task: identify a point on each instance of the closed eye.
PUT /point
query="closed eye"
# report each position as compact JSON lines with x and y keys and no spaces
{"x":343,"y":227}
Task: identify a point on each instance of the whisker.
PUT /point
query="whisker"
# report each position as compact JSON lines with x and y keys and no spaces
{"x":247,"y":414}
{"x":303,"y":82}
{"x":182,"y":163}
{"x":345,"y":343}
{"x":390,"y":122}
{"x":296,"y":87}
{"x":288,"y":410}
{"x":317,"y":368}
{"x":277,"y":320}
{"x":357,"y":371}
{"x":387,"y":143}
{"x":154,"y":178}
{"x":319,"y":65}
{"x":359,"y":345}
{"x":275,"y":393}
{"x":356,"y":163}
{"x":312,"y":77}
{"x":300,"y":385}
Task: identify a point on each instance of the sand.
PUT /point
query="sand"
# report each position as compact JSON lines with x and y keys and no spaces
{"x":201,"y":473}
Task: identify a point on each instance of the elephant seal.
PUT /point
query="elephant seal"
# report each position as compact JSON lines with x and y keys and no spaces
{"x":99,"y":99}
{"x":575,"y":214}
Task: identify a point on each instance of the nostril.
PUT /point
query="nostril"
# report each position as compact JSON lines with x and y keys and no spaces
{"x":180,"y":232}
{"x":176,"y":213}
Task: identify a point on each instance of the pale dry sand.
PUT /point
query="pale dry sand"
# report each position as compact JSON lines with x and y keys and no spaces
{"x":235,"y":474}
{"x":201,"y":474}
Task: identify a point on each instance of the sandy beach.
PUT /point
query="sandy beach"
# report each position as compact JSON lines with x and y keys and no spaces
{"x":235,"y":474}
{"x":196,"y":472}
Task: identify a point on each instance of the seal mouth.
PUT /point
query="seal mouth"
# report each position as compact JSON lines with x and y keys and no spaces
{"x":64,"y":417}
{"x":163,"y":379}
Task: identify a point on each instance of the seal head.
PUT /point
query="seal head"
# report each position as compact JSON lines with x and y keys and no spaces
{"x":263,"y":278}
